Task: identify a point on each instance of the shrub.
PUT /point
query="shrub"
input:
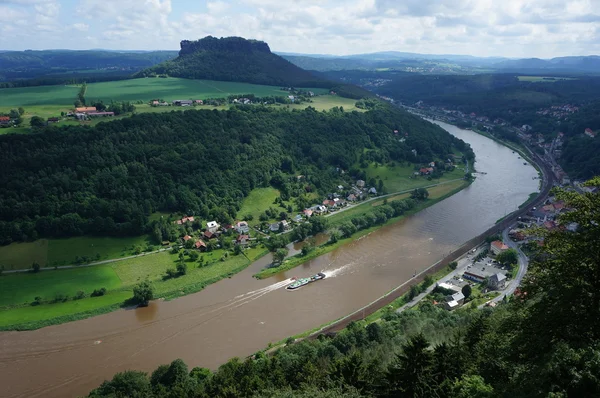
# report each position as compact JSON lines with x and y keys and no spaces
{"x":79,"y":295}
{"x":98,"y":292}
{"x":171,"y":273}
{"x":182,"y":268}
{"x":35,"y":267}
{"x":37,"y":300}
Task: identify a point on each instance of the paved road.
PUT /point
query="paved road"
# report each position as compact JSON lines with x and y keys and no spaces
{"x":114,"y":260}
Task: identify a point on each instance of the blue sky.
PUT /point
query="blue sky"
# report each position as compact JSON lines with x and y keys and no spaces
{"x":514,"y":28}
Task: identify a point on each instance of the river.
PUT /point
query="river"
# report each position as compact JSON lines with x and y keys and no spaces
{"x":241,"y":315}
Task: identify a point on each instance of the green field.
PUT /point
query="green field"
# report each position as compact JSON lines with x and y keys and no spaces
{"x":144,"y":89}
{"x":259,"y":200}
{"x":59,"y":252}
{"x":399,"y":178}
{"x":22,"y":288}
{"x":118,"y":278}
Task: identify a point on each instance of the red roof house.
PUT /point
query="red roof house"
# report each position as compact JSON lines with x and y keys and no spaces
{"x":186,"y":238}
{"x":200,"y":245}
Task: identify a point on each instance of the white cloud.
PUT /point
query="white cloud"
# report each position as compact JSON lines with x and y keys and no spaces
{"x":542,"y":28}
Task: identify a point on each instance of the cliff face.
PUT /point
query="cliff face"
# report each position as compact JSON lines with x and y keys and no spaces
{"x":227,"y":44}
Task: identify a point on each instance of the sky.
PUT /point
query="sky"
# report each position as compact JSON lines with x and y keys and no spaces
{"x":509,"y":28}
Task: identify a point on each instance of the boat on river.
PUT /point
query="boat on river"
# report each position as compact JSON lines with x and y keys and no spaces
{"x":298,"y":283}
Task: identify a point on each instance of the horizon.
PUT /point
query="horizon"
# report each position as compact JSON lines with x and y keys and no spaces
{"x":512,"y":29}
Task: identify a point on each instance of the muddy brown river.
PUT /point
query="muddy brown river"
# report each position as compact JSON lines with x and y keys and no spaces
{"x":241,"y":315}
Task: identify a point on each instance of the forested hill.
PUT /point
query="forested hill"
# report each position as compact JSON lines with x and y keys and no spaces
{"x":107,"y":179}
{"x":234,"y":59}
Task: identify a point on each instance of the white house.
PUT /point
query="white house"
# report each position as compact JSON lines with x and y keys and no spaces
{"x":212,"y":226}
{"x":242,"y":227}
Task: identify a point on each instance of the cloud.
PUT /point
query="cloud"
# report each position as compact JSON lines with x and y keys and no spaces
{"x":542,"y":28}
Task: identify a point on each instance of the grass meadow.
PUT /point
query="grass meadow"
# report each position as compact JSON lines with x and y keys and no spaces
{"x":399,"y":178}
{"x":259,"y":200}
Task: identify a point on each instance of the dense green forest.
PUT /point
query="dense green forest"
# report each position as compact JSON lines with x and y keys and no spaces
{"x":581,"y":154}
{"x":543,"y":342}
{"x":108,"y":179}
{"x":51,"y":64}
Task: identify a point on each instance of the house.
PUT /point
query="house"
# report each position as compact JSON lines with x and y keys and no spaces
{"x":351,"y":198}
{"x":548,"y":208}
{"x":4,"y":120}
{"x":286,"y":225}
{"x":212,"y":226}
{"x":373,"y":191}
{"x":209,"y":235}
{"x":274,"y":227}
{"x":424,"y":171}
{"x":329,"y":203}
{"x":200,"y":245}
{"x":100,"y":114}
{"x":183,"y":102}
{"x":360,"y":183}
{"x":242,"y":240}
{"x":242,"y":227}
{"x":199,"y":102}
{"x":298,"y":218}
{"x":449,"y":286}
{"x":154,"y":103}
{"x":454,"y":301}
{"x":53,"y":120}
{"x":498,"y":247}
{"x":474,"y":276}
{"x":308,"y":212}
{"x":86,"y":109}
{"x":340,"y":187}
{"x":184,"y":220}
{"x":589,"y":133}
{"x":497,"y":281}
{"x":186,"y":238}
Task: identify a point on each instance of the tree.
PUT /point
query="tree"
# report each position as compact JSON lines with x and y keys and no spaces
{"x":181,"y":268}
{"x":508,"y":257}
{"x":194,"y":255}
{"x":21,"y":110}
{"x":130,"y":383}
{"x":307,"y":247}
{"x":411,"y":373}
{"x":280,"y":254}
{"x":453,"y":265}
{"x":143,"y":292}
{"x":466,"y":291}
{"x":420,"y":194}
{"x":35,"y":267}
{"x":37,"y":122}
{"x":472,"y":387}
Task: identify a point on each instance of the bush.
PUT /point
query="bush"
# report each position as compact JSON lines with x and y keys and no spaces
{"x":98,"y":292}
{"x":453,"y":265}
{"x":143,"y":292}
{"x":79,"y":295}
{"x":60,"y":297}
{"x":37,"y":300}
{"x":35,"y":267}
{"x":171,"y":272}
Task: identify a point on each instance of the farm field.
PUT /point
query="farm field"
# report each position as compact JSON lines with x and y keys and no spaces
{"x":58,"y":252}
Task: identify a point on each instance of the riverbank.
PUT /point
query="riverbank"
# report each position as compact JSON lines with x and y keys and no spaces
{"x":435,"y":195}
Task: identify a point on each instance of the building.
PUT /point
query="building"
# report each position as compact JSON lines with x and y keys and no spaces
{"x":53,"y":120}
{"x":308,"y":212}
{"x":274,"y":227}
{"x":200,"y":245}
{"x":212,"y":226}
{"x":373,"y":191}
{"x":4,"y":120}
{"x":100,"y":114}
{"x":454,"y":301}
{"x":183,"y":102}
{"x":589,"y":133}
{"x":184,"y":220}
{"x":242,"y":240}
{"x":475,"y":276}
{"x":497,"y":281}
{"x":186,"y":238}
{"x":360,"y":183}
{"x":498,"y":247}
{"x":209,"y":235}
{"x":242,"y":227}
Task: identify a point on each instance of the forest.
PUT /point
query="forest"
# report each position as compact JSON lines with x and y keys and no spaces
{"x":543,"y":342}
{"x":108,"y":179}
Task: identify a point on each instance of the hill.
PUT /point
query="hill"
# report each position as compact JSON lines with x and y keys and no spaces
{"x":108,"y":179}
{"x":234,"y":59}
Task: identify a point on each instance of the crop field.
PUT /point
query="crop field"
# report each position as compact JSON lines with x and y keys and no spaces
{"x":39,"y":95}
{"x":22,"y":288}
{"x":23,"y":255}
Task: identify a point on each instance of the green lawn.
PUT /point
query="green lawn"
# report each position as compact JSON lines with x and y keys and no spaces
{"x":23,"y":255}
{"x":259,"y":200}
{"x":22,"y":288}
